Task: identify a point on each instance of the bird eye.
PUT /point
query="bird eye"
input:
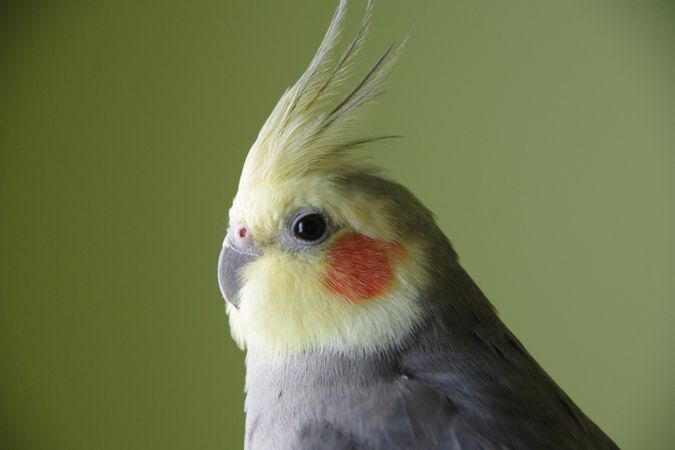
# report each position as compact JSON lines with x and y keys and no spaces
{"x":309,"y":227}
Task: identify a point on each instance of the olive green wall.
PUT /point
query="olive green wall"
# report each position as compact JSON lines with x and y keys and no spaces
{"x":540,"y":132}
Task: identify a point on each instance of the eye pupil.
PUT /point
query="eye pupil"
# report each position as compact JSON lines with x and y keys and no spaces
{"x":310,"y":227}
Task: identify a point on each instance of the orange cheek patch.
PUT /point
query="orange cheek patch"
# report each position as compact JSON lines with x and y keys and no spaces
{"x":360,"y":268}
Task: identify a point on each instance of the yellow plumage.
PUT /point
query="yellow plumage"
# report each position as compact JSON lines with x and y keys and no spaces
{"x":301,"y":153}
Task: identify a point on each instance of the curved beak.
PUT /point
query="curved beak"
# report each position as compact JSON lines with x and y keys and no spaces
{"x":231,"y":261}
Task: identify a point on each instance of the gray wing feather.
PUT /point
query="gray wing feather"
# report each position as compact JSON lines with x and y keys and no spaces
{"x":505,"y":399}
{"x":323,"y":435}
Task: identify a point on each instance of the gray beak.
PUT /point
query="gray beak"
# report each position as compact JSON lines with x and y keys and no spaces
{"x":236,"y":253}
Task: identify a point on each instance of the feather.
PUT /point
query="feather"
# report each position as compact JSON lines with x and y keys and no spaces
{"x":308,"y":129}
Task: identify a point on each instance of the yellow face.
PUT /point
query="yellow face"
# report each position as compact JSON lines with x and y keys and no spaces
{"x":321,"y":253}
{"x":348,"y":284}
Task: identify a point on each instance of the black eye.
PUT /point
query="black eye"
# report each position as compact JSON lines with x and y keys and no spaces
{"x":310,"y":227}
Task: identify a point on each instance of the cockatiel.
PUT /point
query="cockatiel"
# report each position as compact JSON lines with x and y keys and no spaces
{"x":361,"y":328}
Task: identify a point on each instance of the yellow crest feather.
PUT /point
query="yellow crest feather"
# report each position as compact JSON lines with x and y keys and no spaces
{"x":306,"y":130}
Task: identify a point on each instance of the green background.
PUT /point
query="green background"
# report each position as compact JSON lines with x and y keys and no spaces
{"x":542,"y":134}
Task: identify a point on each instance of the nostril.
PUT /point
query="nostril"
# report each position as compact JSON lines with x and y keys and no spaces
{"x":243,"y":232}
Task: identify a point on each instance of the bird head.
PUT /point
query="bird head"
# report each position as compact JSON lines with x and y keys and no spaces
{"x":322,"y":251}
